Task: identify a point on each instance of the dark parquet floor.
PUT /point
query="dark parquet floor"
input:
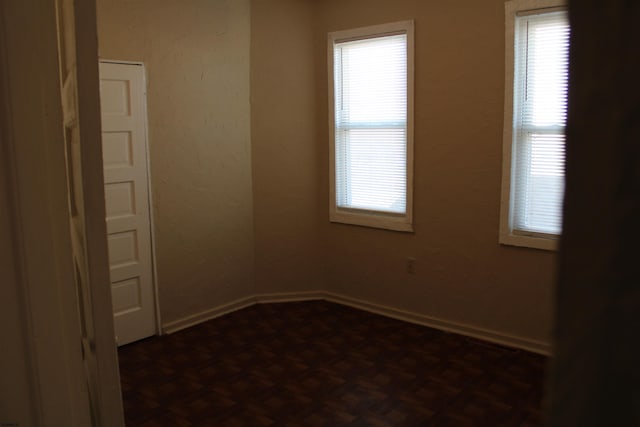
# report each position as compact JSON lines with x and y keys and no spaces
{"x":322,"y":364}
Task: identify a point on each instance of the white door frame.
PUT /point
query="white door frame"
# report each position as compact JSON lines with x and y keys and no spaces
{"x":33,"y":144}
{"x":154,"y":264}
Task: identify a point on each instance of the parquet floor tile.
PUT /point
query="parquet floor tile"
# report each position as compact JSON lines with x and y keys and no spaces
{"x":322,"y":364}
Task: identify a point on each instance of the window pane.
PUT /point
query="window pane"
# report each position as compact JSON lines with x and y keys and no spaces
{"x":374,"y":80}
{"x":542,"y":185}
{"x":371,"y":169}
{"x":540,"y":111}
{"x":370,"y":123}
{"x":547,"y":72}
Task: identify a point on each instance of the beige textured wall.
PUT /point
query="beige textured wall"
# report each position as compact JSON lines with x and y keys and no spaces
{"x":462,"y":273}
{"x":196,"y":54}
{"x":196,"y":57}
{"x":288,"y":198}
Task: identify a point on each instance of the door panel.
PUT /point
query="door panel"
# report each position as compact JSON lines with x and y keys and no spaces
{"x":127,"y":200}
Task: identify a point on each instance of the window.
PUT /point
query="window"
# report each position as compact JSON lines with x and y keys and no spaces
{"x":371,"y":125}
{"x":537,"y":41}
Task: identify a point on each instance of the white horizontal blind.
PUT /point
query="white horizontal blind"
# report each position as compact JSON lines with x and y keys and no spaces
{"x":540,"y":112}
{"x":371,"y":124}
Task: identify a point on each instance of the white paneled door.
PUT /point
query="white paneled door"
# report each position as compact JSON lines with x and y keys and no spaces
{"x":124,"y":148}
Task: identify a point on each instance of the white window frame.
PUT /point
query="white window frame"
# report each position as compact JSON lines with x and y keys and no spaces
{"x":384,"y":220}
{"x":507,"y":235}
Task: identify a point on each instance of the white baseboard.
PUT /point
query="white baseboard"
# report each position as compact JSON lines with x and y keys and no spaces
{"x":534,"y":346}
{"x":444,"y":325}
{"x":194,"y":319}
{"x":186,"y":322}
{"x":290,"y":297}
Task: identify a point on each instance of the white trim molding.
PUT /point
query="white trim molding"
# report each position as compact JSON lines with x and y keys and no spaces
{"x":363,"y":217}
{"x":59,"y":378}
{"x":508,"y":340}
{"x":239,"y":304}
{"x":203,"y":316}
{"x":495,"y":337}
{"x":290,"y":297}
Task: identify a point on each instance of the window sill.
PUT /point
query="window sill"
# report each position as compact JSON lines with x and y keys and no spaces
{"x":394,"y":223}
{"x":534,"y":242}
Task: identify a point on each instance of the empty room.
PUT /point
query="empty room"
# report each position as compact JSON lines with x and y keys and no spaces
{"x":238,"y":113}
{"x":304,"y":213}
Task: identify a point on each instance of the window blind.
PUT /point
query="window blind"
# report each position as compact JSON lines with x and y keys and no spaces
{"x":371,"y":123}
{"x":540,"y":112}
